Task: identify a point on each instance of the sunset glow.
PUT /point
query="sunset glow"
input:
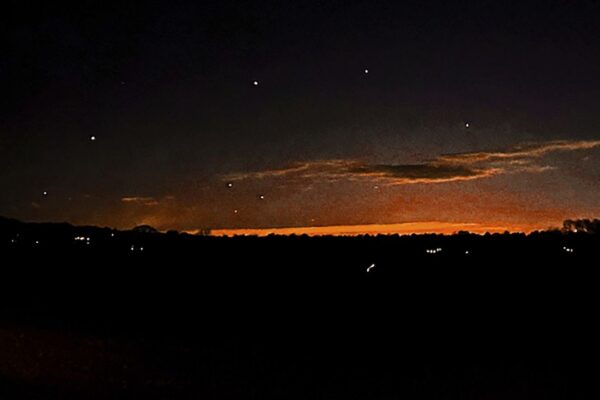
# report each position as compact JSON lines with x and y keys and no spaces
{"x":446,"y":228}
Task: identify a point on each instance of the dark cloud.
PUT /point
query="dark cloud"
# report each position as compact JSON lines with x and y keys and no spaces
{"x":422,"y":173}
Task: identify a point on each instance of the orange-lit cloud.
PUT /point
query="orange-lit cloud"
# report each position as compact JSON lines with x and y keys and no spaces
{"x":145,"y":201}
{"x":520,"y":153}
{"x":445,"y":168}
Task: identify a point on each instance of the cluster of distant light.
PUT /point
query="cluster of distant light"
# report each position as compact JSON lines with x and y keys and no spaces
{"x":438,"y":250}
{"x":85,"y":239}
{"x":433,"y":251}
{"x":80,"y":239}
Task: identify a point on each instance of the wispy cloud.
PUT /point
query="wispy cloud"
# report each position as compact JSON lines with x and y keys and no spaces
{"x":145,"y":201}
{"x":522,"y":152}
{"x":445,"y":168}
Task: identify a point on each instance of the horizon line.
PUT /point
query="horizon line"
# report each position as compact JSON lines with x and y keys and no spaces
{"x":407,"y":228}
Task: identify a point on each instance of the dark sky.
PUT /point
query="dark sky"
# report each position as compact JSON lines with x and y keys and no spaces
{"x":364,"y":112}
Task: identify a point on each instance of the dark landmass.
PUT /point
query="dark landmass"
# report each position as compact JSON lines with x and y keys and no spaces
{"x":94,"y":313}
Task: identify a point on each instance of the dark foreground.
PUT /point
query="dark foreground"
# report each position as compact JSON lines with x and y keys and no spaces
{"x":296,"y":318}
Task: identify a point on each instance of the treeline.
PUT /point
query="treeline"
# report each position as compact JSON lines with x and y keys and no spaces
{"x":581,"y":225}
{"x":10,"y":226}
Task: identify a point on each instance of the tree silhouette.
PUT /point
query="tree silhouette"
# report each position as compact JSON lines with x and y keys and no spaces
{"x":581,"y":225}
{"x":144,"y":229}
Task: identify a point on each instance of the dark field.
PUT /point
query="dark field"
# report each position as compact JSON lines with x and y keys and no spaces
{"x":296,"y":317}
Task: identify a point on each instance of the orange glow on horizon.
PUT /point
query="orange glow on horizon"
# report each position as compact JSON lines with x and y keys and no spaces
{"x":407,"y":228}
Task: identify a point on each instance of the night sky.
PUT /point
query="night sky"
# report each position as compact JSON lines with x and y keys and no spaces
{"x":478,"y":115}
